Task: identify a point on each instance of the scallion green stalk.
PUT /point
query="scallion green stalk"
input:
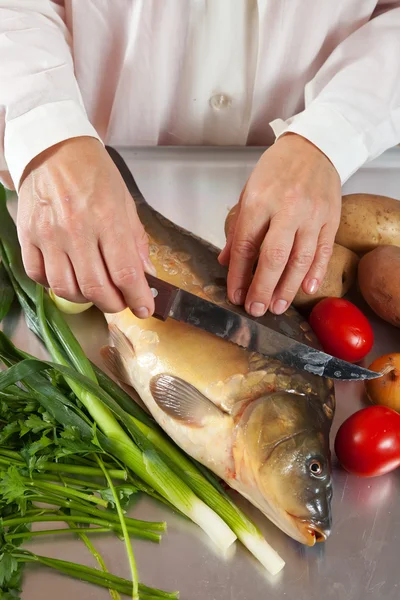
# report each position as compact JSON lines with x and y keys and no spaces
{"x":6,"y":292}
{"x":149,"y":466}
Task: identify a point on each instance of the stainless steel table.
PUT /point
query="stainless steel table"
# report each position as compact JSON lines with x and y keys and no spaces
{"x":195,"y":188}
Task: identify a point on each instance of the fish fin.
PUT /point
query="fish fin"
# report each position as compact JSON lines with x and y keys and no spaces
{"x":182,"y":401}
{"x":115,"y":363}
{"x":116,"y":357}
{"x":120,"y":341}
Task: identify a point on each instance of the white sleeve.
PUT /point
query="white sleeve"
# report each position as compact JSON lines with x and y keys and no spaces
{"x":40,"y":102}
{"x":352,"y":106}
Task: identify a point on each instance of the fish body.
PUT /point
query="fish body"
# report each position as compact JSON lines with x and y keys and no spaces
{"x":259,"y":425}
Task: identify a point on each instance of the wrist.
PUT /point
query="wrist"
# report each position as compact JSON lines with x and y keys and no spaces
{"x":304,"y":145}
{"x":69,"y":148}
{"x":331,"y":132}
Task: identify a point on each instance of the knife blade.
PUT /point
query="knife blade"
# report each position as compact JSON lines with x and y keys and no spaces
{"x":246,"y":331}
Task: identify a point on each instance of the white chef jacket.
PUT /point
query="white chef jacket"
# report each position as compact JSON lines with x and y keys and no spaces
{"x":201,"y":72}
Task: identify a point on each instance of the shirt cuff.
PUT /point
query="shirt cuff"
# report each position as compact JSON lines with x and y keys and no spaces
{"x":331,"y":133}
{"x":40,"y":128}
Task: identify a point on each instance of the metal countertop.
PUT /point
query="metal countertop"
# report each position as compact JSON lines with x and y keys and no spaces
{"x":195,"y":188}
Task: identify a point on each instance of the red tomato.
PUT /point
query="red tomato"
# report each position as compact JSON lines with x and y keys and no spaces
{"x":368,"y":443}
{"x":342,"y":329}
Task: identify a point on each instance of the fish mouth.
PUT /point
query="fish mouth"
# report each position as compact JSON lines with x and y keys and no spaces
{"x":311,"y":532}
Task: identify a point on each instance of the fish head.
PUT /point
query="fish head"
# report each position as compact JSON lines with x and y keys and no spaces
{"x":282,"y":456}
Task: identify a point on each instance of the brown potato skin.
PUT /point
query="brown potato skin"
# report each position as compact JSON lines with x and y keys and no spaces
{"x":340,"y":276}
{"x":368,"y":221}
{"x":229,"y":217}
{"x":378,"y":280}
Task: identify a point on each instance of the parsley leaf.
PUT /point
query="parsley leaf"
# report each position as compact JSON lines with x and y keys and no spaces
{"x":8,"y":566}
{"x":8,"y":431}
{"x":67,"y":447}
{"x":39,"y":444}
{"x":37,"y":424}
{"x":124,"y":493}
{"x":12,"y":488}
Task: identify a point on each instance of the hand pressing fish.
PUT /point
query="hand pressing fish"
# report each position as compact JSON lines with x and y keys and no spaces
{"x":259,"y":425}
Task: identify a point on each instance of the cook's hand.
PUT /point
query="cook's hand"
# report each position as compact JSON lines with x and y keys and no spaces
{"x":79,"y":230}
{"x":287,"y":217}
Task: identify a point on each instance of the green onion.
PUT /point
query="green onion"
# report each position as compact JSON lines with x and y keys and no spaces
{"x":6,"y":292}
{"x":150,"y":468}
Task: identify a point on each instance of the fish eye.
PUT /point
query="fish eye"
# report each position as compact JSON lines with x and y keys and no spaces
{"x":316,"y":467}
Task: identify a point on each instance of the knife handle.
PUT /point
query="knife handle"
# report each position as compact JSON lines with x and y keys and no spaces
{"x":164,"y":296}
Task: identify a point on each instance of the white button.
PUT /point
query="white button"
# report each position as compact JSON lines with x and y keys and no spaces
{"x":219,"y":101}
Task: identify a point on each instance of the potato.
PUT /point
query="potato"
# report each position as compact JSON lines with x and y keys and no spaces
{"x":229,"y":218}
{"x":379,"y":282}
{"x":341,"y":273}
{"x":368,"y":221}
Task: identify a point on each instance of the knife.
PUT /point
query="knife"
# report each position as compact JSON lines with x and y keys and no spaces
{"x":246,"y":331}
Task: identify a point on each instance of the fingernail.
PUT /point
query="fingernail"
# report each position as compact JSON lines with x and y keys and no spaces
{"x":312,"y":286}
{"x":257,"y":309}
{"x":279,"y":307}
{"x":142,"y":312}
{"x":239,"y":296}
{"x":150,"y":268}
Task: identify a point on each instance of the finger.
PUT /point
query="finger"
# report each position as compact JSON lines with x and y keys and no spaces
{"x":141,"y":238}
{"x":60,"y":275}
{"x":319,"y":266}
{"x":298,"y":265}
{"x":33,"y":262}
{"x":92,"y":276}
{"x":274,"y":256}
{"x":248,"y":236}
{"x":125,"y":269}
